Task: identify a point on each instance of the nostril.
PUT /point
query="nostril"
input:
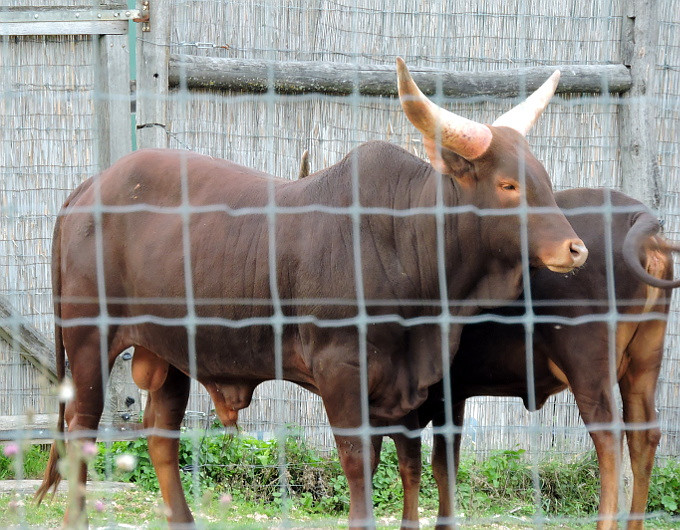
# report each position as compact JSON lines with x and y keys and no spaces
{"x":579,"y":253}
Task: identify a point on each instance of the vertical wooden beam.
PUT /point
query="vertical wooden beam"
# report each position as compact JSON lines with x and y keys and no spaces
{"x":114,"y":127}
{"x":153,"y":55}
{"x":112,"y":87}
{"x":637,"y":134}
{"x":153,"y":52}
{"x":637,"y":112}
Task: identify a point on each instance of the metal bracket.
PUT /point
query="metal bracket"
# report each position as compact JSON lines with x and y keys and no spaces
{"x":144,"y":16}
{"x":70,"y":20}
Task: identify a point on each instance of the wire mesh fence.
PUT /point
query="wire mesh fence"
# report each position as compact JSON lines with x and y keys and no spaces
{"x":51,"y":140}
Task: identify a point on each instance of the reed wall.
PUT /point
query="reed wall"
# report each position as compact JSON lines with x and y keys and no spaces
{"x":48,"y":144}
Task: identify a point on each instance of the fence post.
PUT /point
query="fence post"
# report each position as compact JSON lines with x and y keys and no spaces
{"x":637,"y":112}
{"x":113,"y":99}
{"x":637,"y":133}
{"x":114,"y":128}
{"x":125,"y":400}
{"x":153,"y":56}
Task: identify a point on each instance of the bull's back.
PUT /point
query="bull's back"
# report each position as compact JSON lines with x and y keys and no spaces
{"x":155,"y":206}
{"x":166,"y":214}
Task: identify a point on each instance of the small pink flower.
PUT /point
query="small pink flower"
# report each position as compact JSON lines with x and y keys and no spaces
{"x":14,"y":505}
{"x":99,"y":505}
{"x":226,"y":499}
{"x":90,"y":449}
{"x":10,"y":450}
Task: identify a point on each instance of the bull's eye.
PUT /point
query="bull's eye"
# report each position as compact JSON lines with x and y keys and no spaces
{"x":508,"y":187}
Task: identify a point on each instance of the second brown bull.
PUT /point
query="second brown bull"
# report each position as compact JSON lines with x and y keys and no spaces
{"x":572,"y":348}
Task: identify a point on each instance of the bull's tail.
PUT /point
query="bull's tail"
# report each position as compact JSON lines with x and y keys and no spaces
{"x":52,"y":476}
{"x":644,"y":227}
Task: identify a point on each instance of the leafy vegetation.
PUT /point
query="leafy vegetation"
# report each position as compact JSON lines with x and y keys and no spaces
{"x":664,"y":491}
{"x":32,"y":459}
{"x":503,"y":482}
{"x":244,"y":474}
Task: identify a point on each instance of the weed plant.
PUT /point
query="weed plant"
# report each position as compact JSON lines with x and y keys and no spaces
{"x":32,"y":460}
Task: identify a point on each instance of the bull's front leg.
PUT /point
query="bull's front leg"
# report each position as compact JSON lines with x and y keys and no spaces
{"x":357,"y":458}
{"x":410,"y":468}
{"x":444,"y":474}
{"x":356,"y":450}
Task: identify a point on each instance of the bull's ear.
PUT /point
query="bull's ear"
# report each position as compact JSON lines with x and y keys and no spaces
{"x":449,"y":163}
{"x":304,"y":165}
{"x":435,"y":154}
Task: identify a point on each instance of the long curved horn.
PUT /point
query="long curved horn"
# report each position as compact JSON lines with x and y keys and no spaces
{"x":523,"y":116}
{"x":645,"y":226}
{"x":465,"y":137}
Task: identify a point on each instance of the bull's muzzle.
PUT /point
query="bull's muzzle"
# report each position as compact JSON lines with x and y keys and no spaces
{"x":571,"y":255}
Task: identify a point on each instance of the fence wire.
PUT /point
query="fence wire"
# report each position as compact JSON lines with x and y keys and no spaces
{"x":49,"y":146}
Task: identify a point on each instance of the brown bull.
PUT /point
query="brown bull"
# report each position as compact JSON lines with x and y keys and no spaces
{"x":491,"y":359}
{"x":180,"y":256}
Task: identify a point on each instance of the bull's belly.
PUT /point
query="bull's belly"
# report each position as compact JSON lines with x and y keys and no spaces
{"x":220,"y":353}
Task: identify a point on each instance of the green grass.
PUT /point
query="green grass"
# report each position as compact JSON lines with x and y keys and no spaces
{"x":496,"y":490}
{"x":29,"y":463}
{"x":141,"y":508}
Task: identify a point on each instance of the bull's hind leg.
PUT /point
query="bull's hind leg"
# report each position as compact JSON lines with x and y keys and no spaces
{"x":594,"y":398}
{"x":168,"y":396}
{"x":83,"y":413}
{"x":638,"y":386}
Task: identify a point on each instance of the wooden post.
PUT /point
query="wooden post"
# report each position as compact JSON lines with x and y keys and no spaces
{"x":637,"y":112}
{"x":113,"y":99}
{"x":124,"y":399}
{"x":114,"y":124}
{"x":637,"y":134}
{"x":153,"y":55}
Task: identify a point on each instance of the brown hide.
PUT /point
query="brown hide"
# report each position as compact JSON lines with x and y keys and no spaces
{"x":144,"y":260}
{"x":178,"y":262}
{"x":491,"y":359}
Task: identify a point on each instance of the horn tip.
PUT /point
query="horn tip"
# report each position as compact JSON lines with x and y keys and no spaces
{"x":402,"y":70}
{"x":555,"y":77}
{"x":404,"y":78}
